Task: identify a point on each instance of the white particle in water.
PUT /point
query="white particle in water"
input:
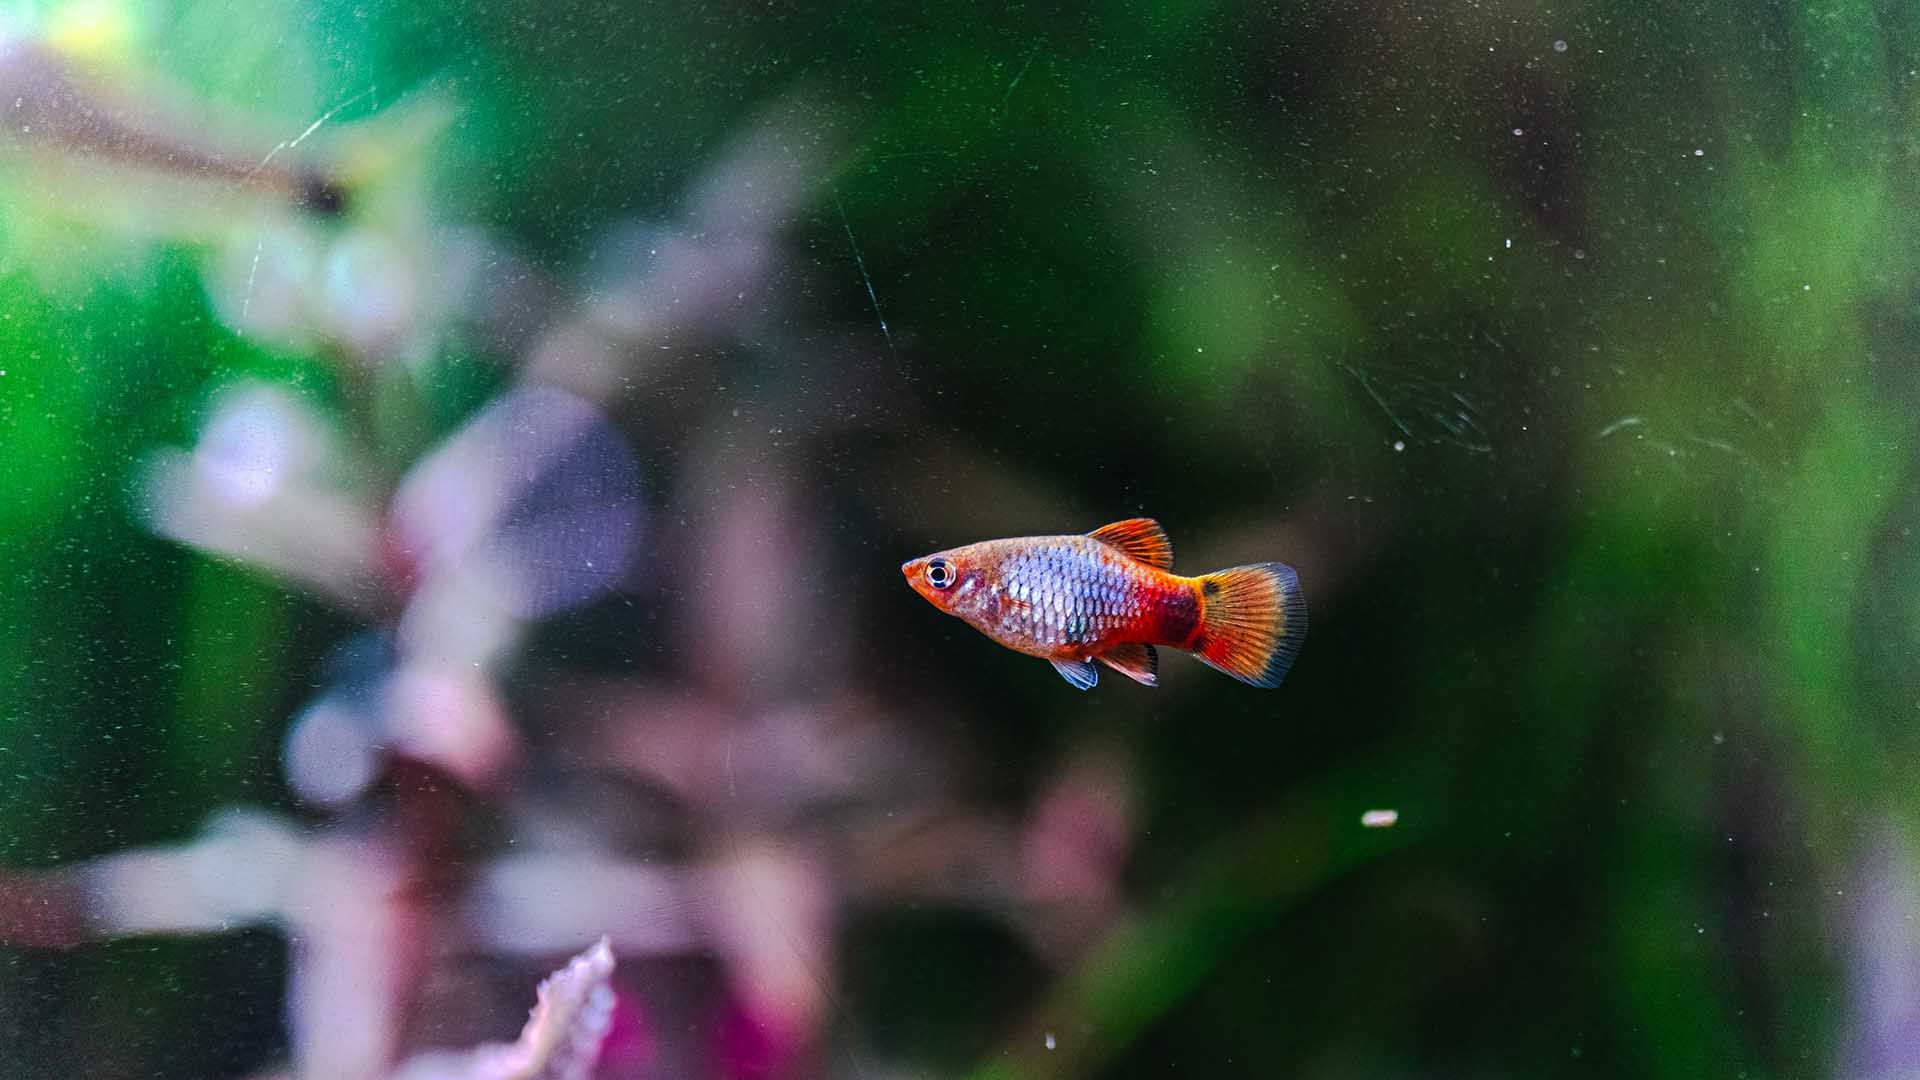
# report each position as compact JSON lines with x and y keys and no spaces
{"x":1698,"y":152}
{"x":1050,"y":1043}
{"x":1559,"y":46}
{"x":1509,"y":242}
{"x":1398,"y":444}
{"x":1519,"y":131}
{"x":1579,"y":253}
{"x":1380,"y":819}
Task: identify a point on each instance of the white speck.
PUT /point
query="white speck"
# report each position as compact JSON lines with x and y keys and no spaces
{"x":1398,"y":444}
{"x":1519,"y":131}
{"x":1698,"y":152}
{"x":1509,"y":243}
{"x":1803,"y":288}
{"x":1559,"y":46}
{"x":1719,"y":737}
{"x":1380,"y":819}
{"x":1579,"y":253}
{"x":1050,"y":1042}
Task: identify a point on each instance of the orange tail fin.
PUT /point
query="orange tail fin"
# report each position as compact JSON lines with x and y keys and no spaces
{"x":1252,"y":620}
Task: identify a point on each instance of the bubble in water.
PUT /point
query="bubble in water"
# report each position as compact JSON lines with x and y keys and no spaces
{"x":1559,"y":46}
{"x":1399,"y":445}
{"x":1519,"y":131}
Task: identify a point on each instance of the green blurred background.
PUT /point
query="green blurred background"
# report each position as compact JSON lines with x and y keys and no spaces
{"x":1568,"y":352}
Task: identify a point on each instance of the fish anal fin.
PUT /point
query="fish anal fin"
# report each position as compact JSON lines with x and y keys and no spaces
{"x":1080,"y":674}
{"x":1138,"y":538}
{"x":1138,"y":662}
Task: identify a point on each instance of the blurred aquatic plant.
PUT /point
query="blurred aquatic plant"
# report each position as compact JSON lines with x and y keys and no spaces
{"x":1567,"y":353}
{"x":105,"y":160}
{"x":708,"y":276}
{"x":319,"y":239}
{"x":561,"y":1041}
{"x":531,"y":509}
{"x":372,"y":282}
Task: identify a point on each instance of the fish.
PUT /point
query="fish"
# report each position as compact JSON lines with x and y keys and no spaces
{"x":1111,"y":597}
{"x":56,"y":106}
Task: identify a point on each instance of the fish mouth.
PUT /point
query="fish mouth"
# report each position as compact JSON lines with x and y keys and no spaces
{"x":915,"y":571}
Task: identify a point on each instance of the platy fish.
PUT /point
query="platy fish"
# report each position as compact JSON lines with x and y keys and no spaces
{"x":1111,"y":596}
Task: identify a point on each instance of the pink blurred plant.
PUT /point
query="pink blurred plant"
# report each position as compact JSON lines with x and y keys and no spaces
{"x":799,"y":791}
{"x":561,"y":1041}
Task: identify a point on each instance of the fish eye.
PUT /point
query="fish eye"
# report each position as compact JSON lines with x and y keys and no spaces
{"x":940,"y":574}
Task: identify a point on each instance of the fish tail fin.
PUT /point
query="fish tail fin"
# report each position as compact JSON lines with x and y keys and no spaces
{"x":1252,"y":621}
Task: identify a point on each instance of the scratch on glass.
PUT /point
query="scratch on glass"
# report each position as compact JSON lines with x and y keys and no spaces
{"x":1623,"y":422}
{"x":867,"y":279}
{"x":1021,"y":74}
{"x":246,"y":301}
{"x":294,"y":143}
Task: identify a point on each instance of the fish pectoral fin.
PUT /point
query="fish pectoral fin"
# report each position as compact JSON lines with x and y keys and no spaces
{"x":1080,"y":673}
{"x":1138,"y":538}
{"x":1141,"y":663}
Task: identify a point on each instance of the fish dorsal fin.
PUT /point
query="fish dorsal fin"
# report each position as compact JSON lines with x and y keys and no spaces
{"x":1139,"y":538}
{"x":1141,"y":663}
{"x":1080,"y":673}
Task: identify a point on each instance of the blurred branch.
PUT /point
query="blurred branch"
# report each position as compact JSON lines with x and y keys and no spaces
{"x":704,"y":278}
